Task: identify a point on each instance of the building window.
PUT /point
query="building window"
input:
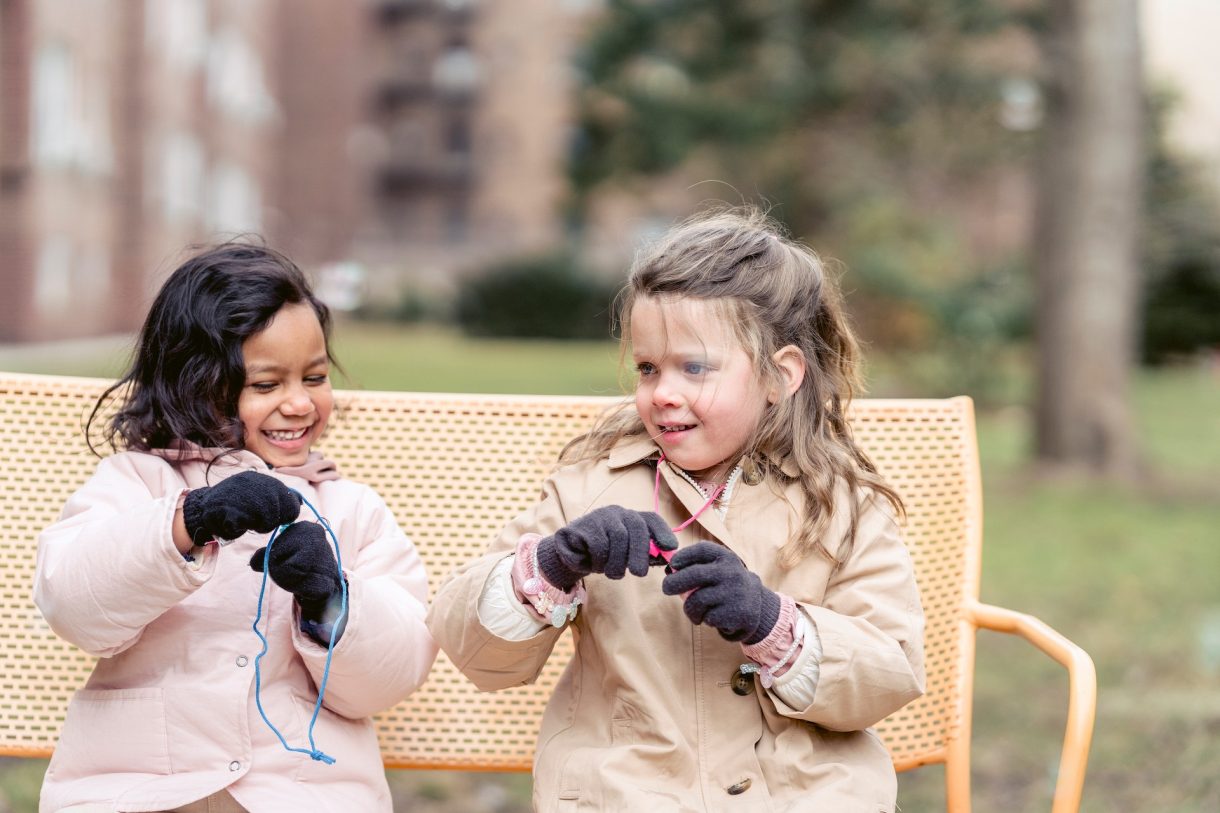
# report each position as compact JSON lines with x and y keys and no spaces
{"x":235,"y":79}
{"x":234,"y":203}
{"x":70,"y":125}
{"x":179,"y":30}
{"x":56,"y":118}
{"x":457,"y":71}
{"x":457,"y":221}
{"x":182,"y":177}
{"x":457,"y":138}
{"x":53,"y":286}
{"x":69,"y":274}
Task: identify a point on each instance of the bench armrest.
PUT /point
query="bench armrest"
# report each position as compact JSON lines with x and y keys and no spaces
{"x":1082,"y":693}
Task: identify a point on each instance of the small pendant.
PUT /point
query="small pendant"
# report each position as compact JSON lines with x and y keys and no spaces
{"x":766,"y":679}
{"x":558,"y":616}
{"x":532,"y":586}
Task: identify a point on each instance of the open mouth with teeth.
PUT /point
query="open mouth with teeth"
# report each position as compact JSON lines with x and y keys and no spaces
{"x":668,"y":428}
{"x":285,"y":435}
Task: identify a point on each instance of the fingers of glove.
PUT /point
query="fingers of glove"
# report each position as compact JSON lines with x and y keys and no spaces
{"x":301,"y":545}
{"x":705,"y":602}
{"x":694,"y":608}
{"x":635,"y":555}
{"x":659,"y":530}
{"x":256,"y":561}
{"x":691,"y":577}
{"x":702,"y":553}
{"x":288,"y":506}
{"x":302,"y":563}
{"x":249,"y":501}
{"x":722,"y":607}
{"x":268,"y":503}
{"x":580,"y":543}
{"x":610,"y":557}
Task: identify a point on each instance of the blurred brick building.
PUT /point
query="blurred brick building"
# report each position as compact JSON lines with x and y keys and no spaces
{"x":413,"y":137}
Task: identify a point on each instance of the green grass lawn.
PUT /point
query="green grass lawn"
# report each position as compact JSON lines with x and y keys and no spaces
{"x":433,"y":359}
{"x":1131,"y":573}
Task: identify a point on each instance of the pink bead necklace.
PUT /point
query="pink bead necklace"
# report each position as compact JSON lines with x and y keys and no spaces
{"x":665,"y":555}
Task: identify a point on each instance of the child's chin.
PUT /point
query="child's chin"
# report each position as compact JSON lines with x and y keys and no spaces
{"x":279,"y":459}
{"x":291,"y":460}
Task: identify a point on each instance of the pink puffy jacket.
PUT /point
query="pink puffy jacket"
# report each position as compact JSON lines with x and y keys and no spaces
{"x":168,"y":715}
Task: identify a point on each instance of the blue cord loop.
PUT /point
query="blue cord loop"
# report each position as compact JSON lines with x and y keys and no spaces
{"x":330,"y":648}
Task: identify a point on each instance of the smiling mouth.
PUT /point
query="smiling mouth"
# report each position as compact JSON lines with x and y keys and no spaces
{"x":675,"y":427}
{"x":286,"y":435}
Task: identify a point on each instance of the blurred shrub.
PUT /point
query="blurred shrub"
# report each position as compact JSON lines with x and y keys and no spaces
{"x":1181,"y":253}
{"x":916,"y":291}
{"x":411,"y":306}
{"x":541,"y":296}
{"x":1182,"y":309}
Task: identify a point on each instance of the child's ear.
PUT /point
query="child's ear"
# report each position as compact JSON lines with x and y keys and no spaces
{"x":791,"y":363}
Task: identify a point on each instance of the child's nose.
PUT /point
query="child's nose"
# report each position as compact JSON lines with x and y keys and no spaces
{"x":297,"y":403}
{"x":665,"y":393}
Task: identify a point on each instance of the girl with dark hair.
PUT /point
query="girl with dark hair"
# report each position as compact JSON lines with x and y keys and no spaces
{"x":155,"y":567}
{"x":786,"y":621}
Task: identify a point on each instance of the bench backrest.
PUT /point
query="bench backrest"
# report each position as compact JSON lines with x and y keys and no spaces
{"x":454,"y":469}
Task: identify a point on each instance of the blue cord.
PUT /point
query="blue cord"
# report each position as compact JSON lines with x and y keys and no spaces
{"x":330,"y":648}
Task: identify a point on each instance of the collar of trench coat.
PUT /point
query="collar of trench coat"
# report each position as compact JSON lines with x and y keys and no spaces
{"x":634,"y":449}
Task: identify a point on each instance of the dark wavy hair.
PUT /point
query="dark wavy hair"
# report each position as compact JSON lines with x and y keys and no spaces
{"x":187,"y":369}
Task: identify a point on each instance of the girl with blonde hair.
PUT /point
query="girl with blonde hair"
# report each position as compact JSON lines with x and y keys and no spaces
{"x":772,"y":616}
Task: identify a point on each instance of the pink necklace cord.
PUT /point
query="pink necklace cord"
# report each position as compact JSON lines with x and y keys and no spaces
{"x":653,"y":550}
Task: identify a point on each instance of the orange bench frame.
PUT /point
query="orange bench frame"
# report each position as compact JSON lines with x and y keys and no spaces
{"x":454,"y":469}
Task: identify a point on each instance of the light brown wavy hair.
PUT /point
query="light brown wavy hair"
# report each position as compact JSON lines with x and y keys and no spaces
{"x":773,"y":291}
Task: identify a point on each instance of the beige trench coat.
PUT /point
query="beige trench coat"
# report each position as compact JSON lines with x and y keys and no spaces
{"x":645,"y":717}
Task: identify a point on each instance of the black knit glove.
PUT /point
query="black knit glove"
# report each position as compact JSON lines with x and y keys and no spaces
{"x":611,"y":540}
{"x":248,"y":501}
{"x":301,"y":562}
{"x":726,"y":594}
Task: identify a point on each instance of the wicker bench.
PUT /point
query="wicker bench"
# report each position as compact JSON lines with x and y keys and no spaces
{"x":405,"y":445}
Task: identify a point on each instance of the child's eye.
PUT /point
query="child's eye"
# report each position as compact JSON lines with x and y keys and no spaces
{"x":263,"y":386}
{"x":317,"y":379}
{"x":645,"y":368}
{"x":694,"y":368}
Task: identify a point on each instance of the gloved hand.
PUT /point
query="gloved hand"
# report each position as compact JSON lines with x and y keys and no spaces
{"x":611,"y":540}
{"x":248,"y":501}
{"x":726,"y":594}
{"x":301,"y":562}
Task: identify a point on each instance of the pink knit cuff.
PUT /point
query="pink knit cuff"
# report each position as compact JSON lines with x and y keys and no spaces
{"x":780,"y":646}
{"x":521,"y":564}
{"x":547,"y":602}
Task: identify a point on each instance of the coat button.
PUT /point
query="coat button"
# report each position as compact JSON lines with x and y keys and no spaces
{"x":236,"y":766}
{"x":242,"y":660}
{"x":742,"y":683}
{"x":739,"y":788}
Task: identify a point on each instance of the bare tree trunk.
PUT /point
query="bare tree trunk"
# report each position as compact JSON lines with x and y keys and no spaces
{"x":1090,"y":193}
